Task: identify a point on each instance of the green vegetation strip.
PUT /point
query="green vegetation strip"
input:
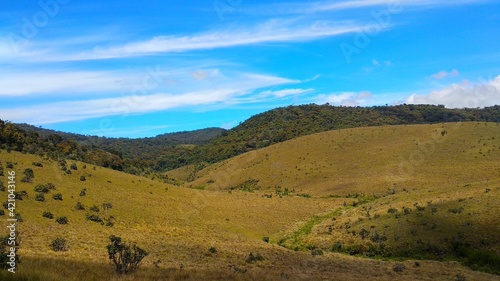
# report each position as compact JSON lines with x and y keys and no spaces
{"x":293,"y":242}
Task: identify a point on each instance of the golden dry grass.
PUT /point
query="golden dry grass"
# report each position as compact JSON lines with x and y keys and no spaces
{"x":178,"y":225}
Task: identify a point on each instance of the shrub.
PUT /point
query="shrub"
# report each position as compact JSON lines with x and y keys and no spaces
{"x":18,"y":217}
{"x":39,"y":197}
{"x":82,"y":178}
{"x":95,"y":218}
{"x":392,"y":211}
{"x":94,"y":208}
{"x":57,"y":196}
{"x":398,"y":267}
{"x":254,"y":258}
{"x":456,"y":210}
{"x":28,"y":173}
{"x":73,"y":166}
{"x":48,"y":215}
{"x":37,"y":164}
{"x":364,"y":233}
{"x":2,"y":187}
{"x":106,"y":206}
{"x":79,"y":206}
{"x":62,"y":220}
{"x":337,"y":246}
{"x":317,"y":252}
{"x":20,"y":195}
{"x":265,"y":239}
{"x":41,"y":188}
{"x":212,"y":250}
{"x":83,"y":192}
{"x":125,"y":257}
{"x":2,"y":213}
{"x":9,"y":165}
{"x":59,"y":245}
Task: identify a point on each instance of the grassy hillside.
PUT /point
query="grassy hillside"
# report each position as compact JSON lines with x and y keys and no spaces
{"x":371,"y":160}
{"x":422,"y":191}
{"x":301,"y":194}
{"x":290,"y":122}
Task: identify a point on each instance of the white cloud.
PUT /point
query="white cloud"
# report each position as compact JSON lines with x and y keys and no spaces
{"x":444,"y":74}
{"x":42,"y":82}
{"x":227,"y":92}
{"x":201,"y":74}
{"x":312,"y":7}
{"x":462,"y":95}
{"x":344,"y":98}
{"x":229,"y":125}
{"x":377,"y":64}
{"x":285,"y":92}
{"x":270,"y":31}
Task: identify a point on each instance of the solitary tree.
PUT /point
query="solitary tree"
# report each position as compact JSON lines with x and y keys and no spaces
{"x":126,"y":258}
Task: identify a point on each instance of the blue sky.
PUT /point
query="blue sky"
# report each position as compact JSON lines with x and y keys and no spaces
{"x":142,"y":68}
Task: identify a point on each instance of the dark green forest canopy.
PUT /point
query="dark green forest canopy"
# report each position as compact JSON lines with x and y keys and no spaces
{"x":170,"y":151}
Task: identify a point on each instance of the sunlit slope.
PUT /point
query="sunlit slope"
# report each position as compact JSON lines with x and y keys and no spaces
{"x":366,"y":160}
{"x":177,"y":225}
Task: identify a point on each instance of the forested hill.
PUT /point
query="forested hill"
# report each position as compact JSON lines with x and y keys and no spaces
{"x":166,"y":152}
{"x":134,"y":156}
{"x":133,"y":148}
{"x":286,"y":123}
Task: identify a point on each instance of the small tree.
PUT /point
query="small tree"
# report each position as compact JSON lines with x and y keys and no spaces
{"x":126,"y":258}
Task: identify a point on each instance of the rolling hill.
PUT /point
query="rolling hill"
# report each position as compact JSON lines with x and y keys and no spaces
{"x":170,"y":151}
{"x":430,"y":189}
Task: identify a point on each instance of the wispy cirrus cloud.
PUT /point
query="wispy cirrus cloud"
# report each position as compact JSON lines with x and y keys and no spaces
{"x":313,"y":7}
{"x":443,"y":74}
{"x":270,"y":31}
{"x":230,"y":91}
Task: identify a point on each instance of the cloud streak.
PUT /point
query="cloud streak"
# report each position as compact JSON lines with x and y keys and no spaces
{"x":443,"y":74}
{"x":268,"y":32}
{"x":227,"y":93}
{"x":293,"y":8}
